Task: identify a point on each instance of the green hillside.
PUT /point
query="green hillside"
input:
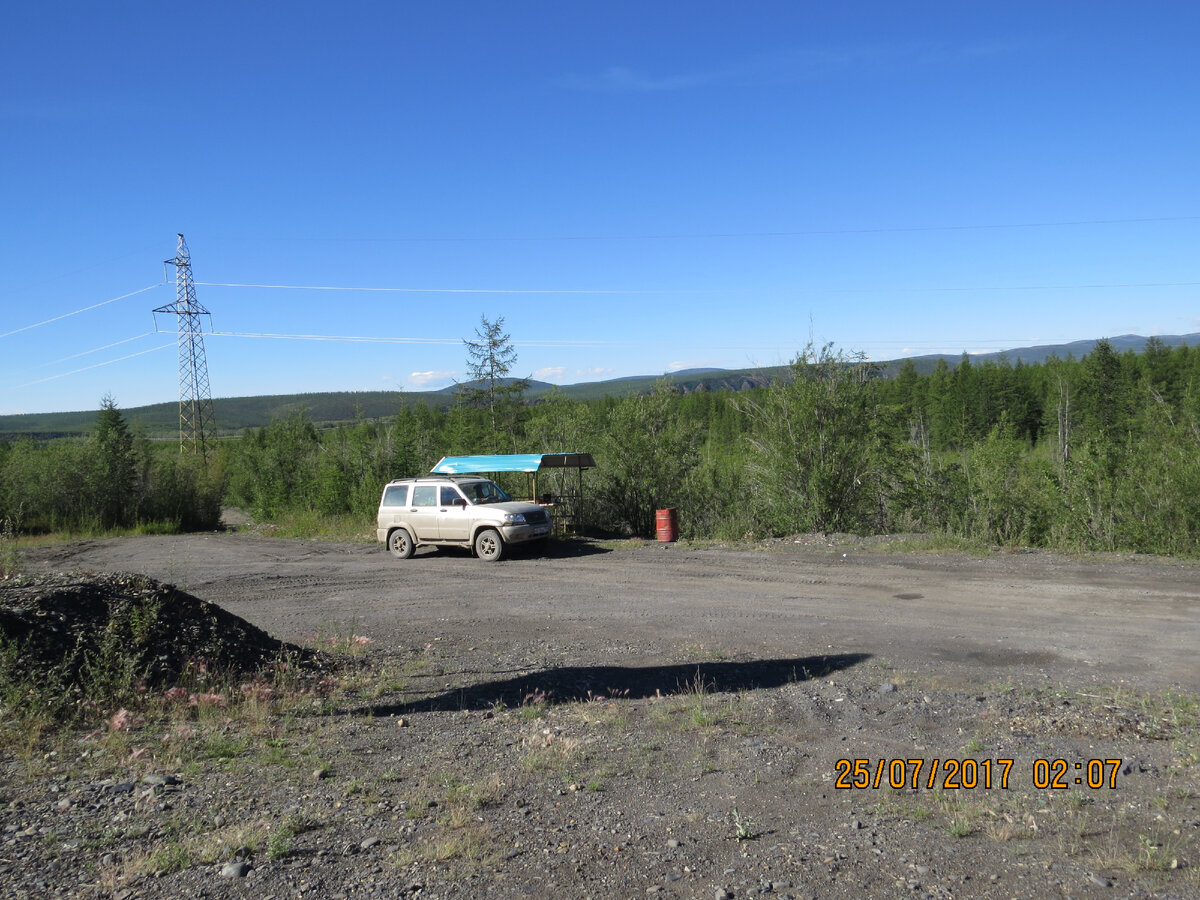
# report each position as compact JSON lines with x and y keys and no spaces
{"x":234,"y":414}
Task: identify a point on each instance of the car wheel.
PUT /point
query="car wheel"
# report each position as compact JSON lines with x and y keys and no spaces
{"x":400,"y":544}
{"x":488,"y":545}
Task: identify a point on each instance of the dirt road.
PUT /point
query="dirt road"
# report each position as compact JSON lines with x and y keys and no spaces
{"x":1006,"y":617}
{"x":794,"y":720}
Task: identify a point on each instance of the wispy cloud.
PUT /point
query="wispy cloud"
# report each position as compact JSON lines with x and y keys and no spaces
{"x":786,"y":67}
{"x":430,"y":379}
{"x":553,"y":374}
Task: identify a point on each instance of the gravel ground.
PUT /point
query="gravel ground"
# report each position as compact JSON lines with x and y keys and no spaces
{"x":645,"y":720}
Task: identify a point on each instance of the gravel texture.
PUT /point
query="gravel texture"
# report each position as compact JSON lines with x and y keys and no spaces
{"x":636,"y":721}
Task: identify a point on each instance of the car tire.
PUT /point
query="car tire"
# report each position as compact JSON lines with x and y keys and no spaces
{"x":489,"y":546}
{"x":400,"y":544}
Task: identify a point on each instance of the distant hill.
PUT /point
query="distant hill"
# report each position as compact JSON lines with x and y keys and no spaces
{"x":235,"y":414}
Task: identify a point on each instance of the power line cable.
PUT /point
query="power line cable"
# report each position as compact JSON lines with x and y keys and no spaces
{"x":401,"y":290}
{"x":809,"y":290}
{"x":93,"y":350}
{"x":900,"y":229}
{"x":375,"y":339}
{"x":96,"y":366}
{"x":78,"y":311}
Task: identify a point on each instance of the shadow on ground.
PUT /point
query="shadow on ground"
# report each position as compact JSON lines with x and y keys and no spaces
{"x":573,"y":684}
{"x":562,"y":548}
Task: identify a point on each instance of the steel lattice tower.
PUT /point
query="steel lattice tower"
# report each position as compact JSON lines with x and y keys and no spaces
{"x":195,"y":399}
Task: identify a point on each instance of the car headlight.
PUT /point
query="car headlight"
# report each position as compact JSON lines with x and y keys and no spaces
{"x":514,"y":518}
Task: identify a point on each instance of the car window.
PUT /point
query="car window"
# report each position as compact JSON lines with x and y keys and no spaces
{"x":425,"y":495}
{"x":449,"y":495}
{"x":395,"y":495}
{"x":485,"y":492}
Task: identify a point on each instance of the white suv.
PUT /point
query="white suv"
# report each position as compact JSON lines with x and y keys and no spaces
{"x":456,"y":511}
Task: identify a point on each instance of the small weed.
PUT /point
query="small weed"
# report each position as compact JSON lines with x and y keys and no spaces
{"x":279,"y":844}
{"x":959,"y":828}
{"x":1153,"y":856}
{"x":471,"y":847}
{"x":535,"y":704}
{"x":171,"y":858}
{"x":743,"y":828}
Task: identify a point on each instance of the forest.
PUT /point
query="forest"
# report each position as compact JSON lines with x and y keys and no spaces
{"x":1100,"y":453}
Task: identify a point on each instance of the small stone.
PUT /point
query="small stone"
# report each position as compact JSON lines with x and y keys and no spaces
{"x":722,"y":894}
{"x":887,"y":687}
{"x":369,"y":843}
{"x":237,"y":869}
{"x":318,"y":774}
{"x":673,"y":844}
{"x":1100,"y":880}
{"x":401,"y":722}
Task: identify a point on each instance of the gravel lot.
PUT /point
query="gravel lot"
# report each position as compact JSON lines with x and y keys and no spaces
{"x":655,"y":720}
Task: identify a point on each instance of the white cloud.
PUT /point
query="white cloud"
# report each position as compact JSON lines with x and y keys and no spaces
{"x":553,"y":374}
{"x":430,"y":379}
{"x":693,"y":364}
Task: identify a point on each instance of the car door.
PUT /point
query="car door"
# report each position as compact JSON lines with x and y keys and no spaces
{"x":454,"y":520}
{"x":393,"y":508}
{"x":423,"y":514}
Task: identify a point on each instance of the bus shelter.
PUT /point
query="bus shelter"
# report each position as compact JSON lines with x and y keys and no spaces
{"x":532,"y":464}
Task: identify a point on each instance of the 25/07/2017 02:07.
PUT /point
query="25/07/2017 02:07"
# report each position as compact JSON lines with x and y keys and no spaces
{"x":969,"y":774}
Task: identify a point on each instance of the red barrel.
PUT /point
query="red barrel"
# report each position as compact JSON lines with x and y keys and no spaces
{"x":668,"y":524}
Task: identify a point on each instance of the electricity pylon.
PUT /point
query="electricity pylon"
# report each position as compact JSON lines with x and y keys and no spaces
{"x":195,"y":399}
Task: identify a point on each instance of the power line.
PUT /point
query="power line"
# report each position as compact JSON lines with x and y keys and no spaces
{"x":900,"y":229}
{"x":54,"y":362}
{"x":375,"y":339}
{"x":96,"y":366}
{"x":78,"y":311}
{"x":400,"y":290}
{"x":728,"y":290}
{"x":568,"y":343}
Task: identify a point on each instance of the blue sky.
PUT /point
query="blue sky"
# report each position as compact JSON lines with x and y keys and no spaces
{"x":635,"y":187}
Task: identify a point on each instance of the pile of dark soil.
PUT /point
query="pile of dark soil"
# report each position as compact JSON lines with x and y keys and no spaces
{"x":65,"y":623}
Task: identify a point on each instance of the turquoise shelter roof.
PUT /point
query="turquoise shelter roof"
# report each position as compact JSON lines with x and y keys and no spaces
{"x":511,"y":462}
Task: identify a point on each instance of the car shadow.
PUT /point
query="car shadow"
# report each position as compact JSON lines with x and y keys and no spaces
{"x":573,"y":684}
{"x":557,"y":548}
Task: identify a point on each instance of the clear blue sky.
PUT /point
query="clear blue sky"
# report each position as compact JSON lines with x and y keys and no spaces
{"x":636,"y":187}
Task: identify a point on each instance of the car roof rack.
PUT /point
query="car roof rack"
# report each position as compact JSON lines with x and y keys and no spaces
{"x":439,"y":478}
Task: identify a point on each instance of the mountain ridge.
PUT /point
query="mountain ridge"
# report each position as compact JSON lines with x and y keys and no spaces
{"x":234,"y":414}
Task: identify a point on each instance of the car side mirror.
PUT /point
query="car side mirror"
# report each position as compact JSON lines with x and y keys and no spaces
{"x":459,"y":501}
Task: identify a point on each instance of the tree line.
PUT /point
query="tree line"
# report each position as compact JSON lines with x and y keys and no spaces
{"x":114,"y":479}
{"x":1099,"y":453}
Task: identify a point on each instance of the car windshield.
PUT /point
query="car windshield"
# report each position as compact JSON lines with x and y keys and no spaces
{"x":484,"y":492}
